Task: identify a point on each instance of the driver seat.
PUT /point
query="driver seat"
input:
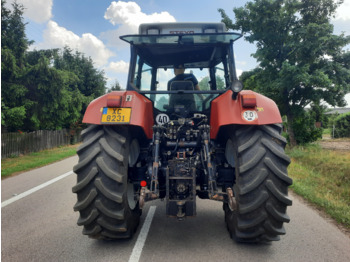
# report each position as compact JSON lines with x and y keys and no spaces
{"x":186,"y":101}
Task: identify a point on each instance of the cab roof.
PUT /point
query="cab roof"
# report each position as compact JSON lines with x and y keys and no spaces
{"x":198,"y":45}
{"x":181,"y":28}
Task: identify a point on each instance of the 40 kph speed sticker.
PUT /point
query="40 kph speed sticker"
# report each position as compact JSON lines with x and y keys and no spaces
{"x":162,"y":119}
{"x":249,"y":115}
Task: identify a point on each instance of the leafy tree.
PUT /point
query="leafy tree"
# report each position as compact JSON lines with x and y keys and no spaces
{"x":56,"y":101}
{"x":220,"y":83}
{"x":13,"y":34}
{"x":86,"y":79}
{"x":91,"y":81}
{"x":115,"y":87}
{"x":45,"y":89}
{"x":161,"y":102}
{"x":300,"y":59}
{"x":249,"y":78}
{"x":317,"y":112}
{"x":13,"y":46}
{"x":205,"y":85}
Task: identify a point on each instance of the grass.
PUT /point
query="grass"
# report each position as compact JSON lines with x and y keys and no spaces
{"x":327,"y":131}
{"x":323,"y":178}
{"x":10,"y":166}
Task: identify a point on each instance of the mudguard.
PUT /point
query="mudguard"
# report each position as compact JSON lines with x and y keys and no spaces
{"x":141,"y":110}
{"x":226,"y":111}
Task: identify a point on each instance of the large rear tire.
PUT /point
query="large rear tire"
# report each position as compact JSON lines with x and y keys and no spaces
{"x":106,"y":199}
{"x":261,"y":188}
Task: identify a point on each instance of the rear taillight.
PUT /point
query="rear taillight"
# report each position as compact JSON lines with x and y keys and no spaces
{"x":248,"y":101}
{"x":114,"y":101}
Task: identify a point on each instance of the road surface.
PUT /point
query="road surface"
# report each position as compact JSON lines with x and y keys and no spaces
{"x":41,"y":226}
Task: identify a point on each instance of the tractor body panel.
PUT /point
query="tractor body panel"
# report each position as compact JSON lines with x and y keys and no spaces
{"x":141,"y":110}
{"x":226,"y":111}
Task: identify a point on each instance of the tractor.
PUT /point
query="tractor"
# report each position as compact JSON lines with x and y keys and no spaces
{"x":179,"y":138}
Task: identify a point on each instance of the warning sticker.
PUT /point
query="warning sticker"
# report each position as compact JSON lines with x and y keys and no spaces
{"x":249,"y":115}
{"x":128,"y":98}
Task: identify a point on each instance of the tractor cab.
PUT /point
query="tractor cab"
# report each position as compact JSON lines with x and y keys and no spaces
{"x":204,"y":50}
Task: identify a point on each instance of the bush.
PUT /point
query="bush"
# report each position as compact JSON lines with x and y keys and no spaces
{"x":305,"y":130}
{"x":342,"y":126}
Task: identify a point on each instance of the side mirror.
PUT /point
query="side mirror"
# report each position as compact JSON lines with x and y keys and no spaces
{"x":236,"y":87}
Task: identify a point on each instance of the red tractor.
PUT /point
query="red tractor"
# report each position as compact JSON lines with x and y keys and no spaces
{"x":176,"y":137}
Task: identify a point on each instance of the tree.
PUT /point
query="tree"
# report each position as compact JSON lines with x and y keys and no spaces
{"x":91,"y":81}
{"x":13,"y":47}
{"x":161,"y":102}
{"x":115,"y":87}
{"x":45,"y":89}
{"x":300,"y":59}
{"x":13,"y":34}
{"x":318,"y":111}
{"x":204,"y":84}
{"x":56,"y":102}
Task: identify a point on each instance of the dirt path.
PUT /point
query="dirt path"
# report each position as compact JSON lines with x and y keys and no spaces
{"x":335,"y":144}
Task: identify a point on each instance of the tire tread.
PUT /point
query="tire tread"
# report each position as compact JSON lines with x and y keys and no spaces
{"x":261,"y":188}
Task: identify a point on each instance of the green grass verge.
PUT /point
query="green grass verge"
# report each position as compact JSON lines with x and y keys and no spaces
{"x":323,"y":178}
{"x":10,"y":166}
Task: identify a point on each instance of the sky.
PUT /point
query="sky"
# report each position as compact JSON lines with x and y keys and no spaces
{"x":93,"y":27}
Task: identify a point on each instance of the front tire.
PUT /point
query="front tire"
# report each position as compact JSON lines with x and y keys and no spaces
{"x":261,"y":188}
{"x":106,"y":198}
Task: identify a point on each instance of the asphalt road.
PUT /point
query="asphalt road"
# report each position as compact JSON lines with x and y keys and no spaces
{"x":42,"y":227}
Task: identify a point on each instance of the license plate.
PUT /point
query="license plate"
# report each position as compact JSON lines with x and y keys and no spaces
{"x":116,"y":115}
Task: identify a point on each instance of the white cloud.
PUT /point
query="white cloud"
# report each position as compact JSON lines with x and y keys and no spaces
{"x":239,"y":72}
{"x":241,"y":63}
{"x":343,"y":12}
{"x":128,"y":16}
{"x":163,"y":77}
{"x":347,"y":99}
{"x":56,"y":36}
{"x":129,"y":13}
{"x":118,"y":67}
{"x":59,"y":36}
{"x":37,"y":10}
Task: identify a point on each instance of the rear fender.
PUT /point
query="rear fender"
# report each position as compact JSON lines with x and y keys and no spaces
{"x":141,"y":110}
{"x":226,"y":111}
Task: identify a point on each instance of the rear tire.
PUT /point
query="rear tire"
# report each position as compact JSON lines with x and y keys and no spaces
{"x":106,"y":199}
{"x":261,"y":188}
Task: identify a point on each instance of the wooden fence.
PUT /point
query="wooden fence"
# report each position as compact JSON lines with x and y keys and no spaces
{"x":15,"y":144}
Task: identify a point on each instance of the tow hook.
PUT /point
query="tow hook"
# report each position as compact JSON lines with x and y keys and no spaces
{"x":231,"y":200}
{"x":142,"y":197}
{"x":146,"y":195}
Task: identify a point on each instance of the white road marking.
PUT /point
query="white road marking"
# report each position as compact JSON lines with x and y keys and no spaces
{"x":34,"y":189}
{"x":141,"y":239}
